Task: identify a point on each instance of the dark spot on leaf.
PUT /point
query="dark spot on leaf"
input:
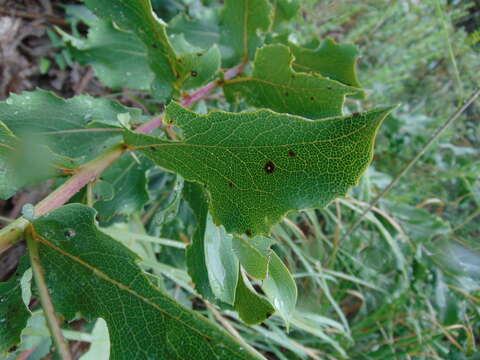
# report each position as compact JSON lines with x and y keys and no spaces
{"x":97,"y":218}
{"x":312,"y":98}
{"x":230,"y":184}
{"x":180,"y":61}
{"x":153,"y":148}
{"x":286,"y":93}
{"x":69,"y":233}
{"x":193,"y":73}
{"x":154,"y":46}
{"x":329,"y":87}
{"x":199,"y":54}
{"x":292,"y":153}
{"x":356,"y":114}
{"x":248,"y":233}
{"x":269,"y":167}
{"x":208,"y":339}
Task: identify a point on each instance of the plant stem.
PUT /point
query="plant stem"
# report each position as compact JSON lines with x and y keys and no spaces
{"x":90,"y":171}
{"x":45,"y":300}
{"x":438,"y":132}
{"x":198,"y":95}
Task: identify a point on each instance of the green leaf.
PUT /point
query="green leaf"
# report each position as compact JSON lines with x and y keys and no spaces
{"x":222,"y":264}
{"x":280,"y":287}
{"x":252,"y":308}
{"x":25,"y":162}
{"x":203,"y":33}
{"x":138,"y":17}
{"x":13,"y":313}
{"x":336,"y":61}
{"x":274,"y":85}
{"x":118,"y":57}
{"x":195,"y":252}
{"x":285,"y":10}
{"x":254,"y":260}
{"x":240,"y":24}
{"x":129,"y":183}
{"x":81,"y":127}
{"x":104,"y":281}
{"x":203,"y":65}
{"x":259,"y":165}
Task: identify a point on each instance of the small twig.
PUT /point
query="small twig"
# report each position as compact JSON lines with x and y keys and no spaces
{"x":439,"y":131}
{"x":45,"y":299}
{"x":27,"y":15}
{"x":198,"y":95}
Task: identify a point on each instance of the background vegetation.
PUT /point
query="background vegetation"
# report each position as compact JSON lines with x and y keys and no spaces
{"x":405,"y":284}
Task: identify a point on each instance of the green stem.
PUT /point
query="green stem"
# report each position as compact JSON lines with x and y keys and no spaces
{"x":45,"y":300}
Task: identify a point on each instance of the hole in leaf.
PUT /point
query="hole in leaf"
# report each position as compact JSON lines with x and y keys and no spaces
{"x":269,"y":167}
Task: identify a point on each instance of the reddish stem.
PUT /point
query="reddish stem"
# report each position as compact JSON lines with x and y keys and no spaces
{"x":198,"y":95}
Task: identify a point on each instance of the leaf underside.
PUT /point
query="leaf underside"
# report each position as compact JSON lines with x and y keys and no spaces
{"x":256,"y":166}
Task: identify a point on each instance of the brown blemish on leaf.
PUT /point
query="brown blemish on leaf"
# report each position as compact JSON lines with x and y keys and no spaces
{"x":291,"y":153}
{"x":269,"y":167}
{"x":355,"y":114}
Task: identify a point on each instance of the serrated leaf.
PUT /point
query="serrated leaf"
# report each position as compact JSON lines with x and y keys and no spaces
{"x":137,"y":16}
{"x":25,"y":162}
{"x":13,"y":313}
{"x":259,"y":165}
{"x":254,"y":260}
{"x":104,"y":281}
{"x":280,"y":287}
{"x":81,"y":127}
{"x":274,"y":85}
{"x":336,"y":61}
{"x":222,"y":264}
{"x":241,"y":21}
{"x":195,"y":252}
{"x":129,"y":184}
{"x":119,"y":58}
{"x":252,"y":308}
